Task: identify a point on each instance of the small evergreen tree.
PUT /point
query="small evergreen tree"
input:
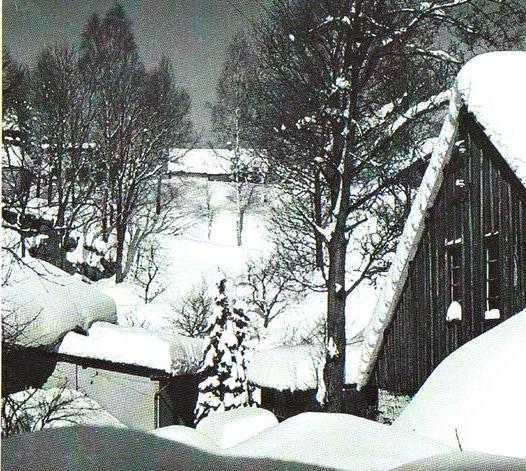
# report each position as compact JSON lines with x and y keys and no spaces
{"x":225,"y":385}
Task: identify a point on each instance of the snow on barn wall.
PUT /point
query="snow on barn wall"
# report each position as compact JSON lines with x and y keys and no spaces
{"x":459,"y":403}
{"x":465,"y":237}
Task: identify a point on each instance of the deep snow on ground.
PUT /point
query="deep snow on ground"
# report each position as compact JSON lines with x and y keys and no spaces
{"x":187,"y":436}
{"x":229,"y":428}
{"x":474,"y":398}
{"x":114,"y":449}
{"x":338,"y":441}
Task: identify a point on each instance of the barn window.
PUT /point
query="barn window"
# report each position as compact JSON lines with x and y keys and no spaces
{"x":454,"y":263}
{"x":491,"y":255}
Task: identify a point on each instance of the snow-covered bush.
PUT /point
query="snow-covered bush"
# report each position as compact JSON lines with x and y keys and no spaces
{"x":390,"y":406}
{"x":37,"y":409}
{"x":225,"y":385}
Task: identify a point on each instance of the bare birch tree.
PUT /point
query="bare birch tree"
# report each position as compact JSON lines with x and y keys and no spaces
{"x":232,"y":114}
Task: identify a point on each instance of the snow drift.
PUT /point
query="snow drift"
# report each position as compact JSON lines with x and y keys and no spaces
{"x":229,"y":428}
{"x":475,"y":397}
{"x":338,"y":441}
{"x":186,"y":436}
{"x":124,"y":449}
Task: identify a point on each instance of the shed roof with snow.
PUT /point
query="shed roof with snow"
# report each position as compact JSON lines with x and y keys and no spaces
{"x":42,"y":303}
{"x":205,"y":162}
{"x":296,"y":367}
{"x":110,"y":345}
{"x":492,"y":88}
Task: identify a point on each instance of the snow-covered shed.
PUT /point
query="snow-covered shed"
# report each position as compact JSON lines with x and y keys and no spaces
{"x":40,"y":305}
{"x":289,"y":378}
{"x":144,"y":378}
{"x":212,"y":164}
{"x":460,"y":265}
{"x":58,"y":327}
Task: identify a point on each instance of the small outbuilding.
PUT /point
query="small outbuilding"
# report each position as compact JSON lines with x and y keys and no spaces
{"x":57,"y":327}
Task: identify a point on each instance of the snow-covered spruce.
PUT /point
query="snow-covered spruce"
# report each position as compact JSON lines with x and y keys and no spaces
{"x":225,"y":385}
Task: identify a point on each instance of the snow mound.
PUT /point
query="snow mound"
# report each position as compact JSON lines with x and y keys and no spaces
{"x":492,"y":87}
{"x":296,"y":367}
{"x":229,"y":428}
{"x":186,"y":436}
{"x":173,"y":354}
{"x":338,"y":441}
{"x":475,"y":397}
{"x":49,"y":302}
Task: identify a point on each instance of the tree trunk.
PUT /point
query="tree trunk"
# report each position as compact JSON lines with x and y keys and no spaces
{"x":105,"y":232}
{"x":121,"y":233}
{"x":158,"y":197}
{"x":50,"y":190}
{"x":317,"y":220}
{"x":335,"y":335}
{"x":131,"y":253}
{"x":239,"y":227}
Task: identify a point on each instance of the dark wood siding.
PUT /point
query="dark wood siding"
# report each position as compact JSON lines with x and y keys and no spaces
{"x":480,"y":211}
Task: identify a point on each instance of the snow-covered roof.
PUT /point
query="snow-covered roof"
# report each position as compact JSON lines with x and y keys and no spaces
{"x":461,"y":402}
{"x":43,"y":303}
{"x":296,"y":367}
{"x":491,"y":86}
{"x":205,"y":161}
{"x":172,"y":353}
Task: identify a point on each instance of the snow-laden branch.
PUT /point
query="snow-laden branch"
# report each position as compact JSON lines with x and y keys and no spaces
{"x":439,"y":54}
{"x":412,"y":113}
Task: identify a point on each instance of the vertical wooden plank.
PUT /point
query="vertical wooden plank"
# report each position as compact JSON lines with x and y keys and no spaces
{"x":504,"y":246}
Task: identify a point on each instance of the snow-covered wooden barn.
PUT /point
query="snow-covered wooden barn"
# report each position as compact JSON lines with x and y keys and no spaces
{"x":460,"y":266}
